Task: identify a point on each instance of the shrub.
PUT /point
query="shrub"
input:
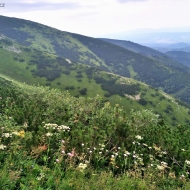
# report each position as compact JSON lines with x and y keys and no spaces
{"x":142,"y":101}
{"x":22,"y":60}
{"x":83,"y":91}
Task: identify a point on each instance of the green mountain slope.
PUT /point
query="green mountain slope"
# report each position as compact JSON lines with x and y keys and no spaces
{"x":47,"y":39}
{"x":35,"y":67}
{"x":171,"y":77}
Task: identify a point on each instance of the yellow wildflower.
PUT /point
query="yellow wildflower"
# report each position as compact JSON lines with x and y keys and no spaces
{"x":21,"y":134}
{"x":156,"y":148}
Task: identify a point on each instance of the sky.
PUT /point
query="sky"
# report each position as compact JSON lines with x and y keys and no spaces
{"x":98,"y":18}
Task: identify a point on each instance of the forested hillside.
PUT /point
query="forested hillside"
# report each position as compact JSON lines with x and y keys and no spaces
{"x":36,"y":67}
{"x":170,"y":76}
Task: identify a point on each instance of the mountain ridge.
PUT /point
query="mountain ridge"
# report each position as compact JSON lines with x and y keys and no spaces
{"x":174,"y":77}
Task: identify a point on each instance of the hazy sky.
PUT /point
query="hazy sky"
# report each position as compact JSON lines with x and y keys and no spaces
{"x":99,"y":17}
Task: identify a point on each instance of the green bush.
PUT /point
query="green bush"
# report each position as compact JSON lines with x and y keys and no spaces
{"x":83,"y":91}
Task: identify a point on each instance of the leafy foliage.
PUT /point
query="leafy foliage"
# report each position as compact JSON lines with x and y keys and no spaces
{"x":60,"y":135}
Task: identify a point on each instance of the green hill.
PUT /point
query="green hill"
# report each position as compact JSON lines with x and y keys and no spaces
{"x":35,"y":67}
{"x":171,"y":77}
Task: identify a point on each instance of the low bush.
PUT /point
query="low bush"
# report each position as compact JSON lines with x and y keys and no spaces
{"x":51,"y":140}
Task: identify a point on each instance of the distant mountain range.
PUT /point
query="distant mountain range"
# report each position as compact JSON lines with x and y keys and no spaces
{"x":154,"y":36}
{"x":170,"y":47}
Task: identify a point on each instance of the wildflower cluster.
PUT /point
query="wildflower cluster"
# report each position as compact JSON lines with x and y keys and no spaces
{"x":7,"y":135}
{"x":162,"y":166}
{"x":2,"y":147}
{"x":82,"y":166}
{"x":51,"y":126}
{"x":187,"y":162}
{"x":41,"y":176}
{"x":20,"y":133}
{"x":138,"y":137}
{"x":10,"y":134}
